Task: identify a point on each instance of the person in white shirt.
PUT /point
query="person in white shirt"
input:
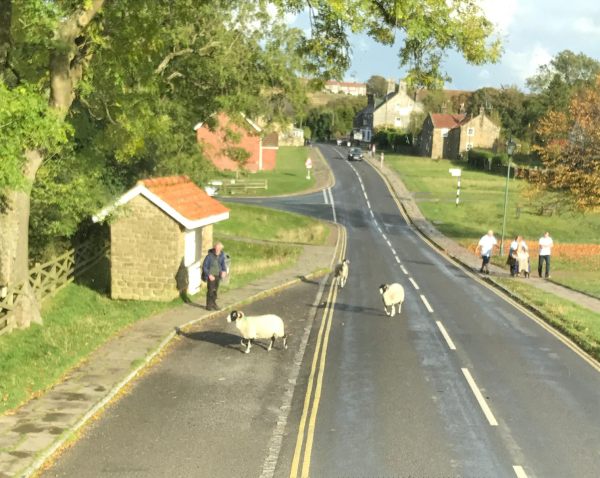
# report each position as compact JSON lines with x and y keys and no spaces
{"x":512,"y":257}
{"x":546,"y":245}
{"x":485,"y":248}
{"x":523,"y":257}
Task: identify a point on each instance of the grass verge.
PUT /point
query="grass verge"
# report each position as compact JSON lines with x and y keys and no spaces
{"x":260,"y":223}
{"x":288,"y":177}
{"x":78,"y":319}
{"x":482,"y":208}
{"x":578,"y":323}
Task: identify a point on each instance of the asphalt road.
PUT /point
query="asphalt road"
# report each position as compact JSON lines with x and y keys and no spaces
{"x":461,"y":383}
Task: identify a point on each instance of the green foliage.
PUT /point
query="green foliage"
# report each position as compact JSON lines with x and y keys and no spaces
{"x":377,"y":85}
{"x":392,"y":138}
{"x":26,"y":123}
{"x":430,"y":28}
{"x":336,"y":117}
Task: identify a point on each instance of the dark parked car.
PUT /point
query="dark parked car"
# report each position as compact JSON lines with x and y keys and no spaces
{"x":355,"y":154}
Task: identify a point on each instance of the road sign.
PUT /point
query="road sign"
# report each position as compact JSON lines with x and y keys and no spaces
{"x":455,"y":171}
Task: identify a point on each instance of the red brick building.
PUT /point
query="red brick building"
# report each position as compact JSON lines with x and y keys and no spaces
{"x":217,"y":141}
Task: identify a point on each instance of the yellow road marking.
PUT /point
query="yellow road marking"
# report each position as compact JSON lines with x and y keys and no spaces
{"x":320,"y":350}
{"x":315,"y":408}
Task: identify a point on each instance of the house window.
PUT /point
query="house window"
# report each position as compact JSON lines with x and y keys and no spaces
{"x":444,"y":132}
{"x":470,"y":131}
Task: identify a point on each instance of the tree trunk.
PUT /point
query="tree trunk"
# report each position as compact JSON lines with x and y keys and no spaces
{"x":66,"y":67}
{"x":14,"y":244}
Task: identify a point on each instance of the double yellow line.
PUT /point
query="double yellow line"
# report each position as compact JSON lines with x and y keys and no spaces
{"x":306,"y":431}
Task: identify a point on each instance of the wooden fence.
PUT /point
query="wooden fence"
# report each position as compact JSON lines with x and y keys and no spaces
{"x":46,"y":279}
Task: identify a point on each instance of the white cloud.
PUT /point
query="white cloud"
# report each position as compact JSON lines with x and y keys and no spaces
{"x":500,"y":14}
{"x":525,"y":63}
{"x":484,"y":74}
{"x":274,"y":12}
{"x":586,"y":26}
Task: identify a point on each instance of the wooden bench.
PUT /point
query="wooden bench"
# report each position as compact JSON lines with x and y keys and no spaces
{"x":231,"y":186}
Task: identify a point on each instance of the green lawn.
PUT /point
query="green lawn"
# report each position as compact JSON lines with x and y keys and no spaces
{"x":77,"y":320}
{"x":289,"y":175}
{"x":576,"y":322}
{"x":259,"y":223}
{"x":481,"y":208}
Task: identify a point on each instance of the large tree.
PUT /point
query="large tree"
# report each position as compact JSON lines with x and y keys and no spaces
{"x":555,"y":83}
{"x":135,"y":72}
{"x":570,"y":146}
{"x":377,"y":86}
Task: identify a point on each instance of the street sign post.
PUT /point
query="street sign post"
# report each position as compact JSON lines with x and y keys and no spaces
{"x":456,"y":172}
{"x":308,"y":164}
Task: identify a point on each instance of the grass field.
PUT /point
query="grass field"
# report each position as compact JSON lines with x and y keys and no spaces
{"x":288,"y":177}
{"x":260,"y":223}
{"x":481,"y":208}
{"x":77,"y":320}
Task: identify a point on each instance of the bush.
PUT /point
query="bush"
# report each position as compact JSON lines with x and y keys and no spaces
{"x":392,"y":138}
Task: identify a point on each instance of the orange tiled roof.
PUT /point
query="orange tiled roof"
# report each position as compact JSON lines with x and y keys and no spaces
{"x":446,"y":120}
{"x":180,"y":193}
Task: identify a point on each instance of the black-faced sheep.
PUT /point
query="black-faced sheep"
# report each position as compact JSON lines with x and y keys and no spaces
{"x":341,"y":272}
{"x":392,"y":295}
{"x":269,"y":326}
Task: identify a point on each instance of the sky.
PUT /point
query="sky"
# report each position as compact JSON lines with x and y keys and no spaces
{"x":532,"y":32}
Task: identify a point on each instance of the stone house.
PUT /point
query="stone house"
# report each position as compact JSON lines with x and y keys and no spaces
{"x":435,"y":133}
{"x":218,"y":139}
{"x":448,"y":136}
{"x":394,"y":110}
{"x":477,"y":132}
{"x":160,"y":231}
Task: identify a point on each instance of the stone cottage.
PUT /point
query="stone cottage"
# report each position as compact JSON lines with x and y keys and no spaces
{"x":160,"y":232}
{"x":394,"y":110}
{"x":225,"y":134}
{"x":449,"y":135}
{"x":435,"y":132}
{"x":477,"y":132}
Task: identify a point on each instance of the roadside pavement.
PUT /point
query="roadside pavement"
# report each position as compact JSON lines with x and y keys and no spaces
{"x":36,"y":430}
{"x":461,"y":254}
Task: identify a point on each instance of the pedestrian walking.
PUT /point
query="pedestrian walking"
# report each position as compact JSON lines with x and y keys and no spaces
{"x":485,"y":248}
{"x":523,"y":257}
{"x":512,"y":261}
{"x":546,"y":244}
{"x":214,"y":269}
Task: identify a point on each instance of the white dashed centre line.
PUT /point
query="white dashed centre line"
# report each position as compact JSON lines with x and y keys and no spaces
{"x":332,"y":205}
{"x":519,"y":471}
{"x":445,"y":335}
{"x":482,"y":403}
{"x":426,"y":302}
{"x":404,"y":270}
{"x":415,"y":285}
{"x":325,"y":200}
{"x":397,"y":259}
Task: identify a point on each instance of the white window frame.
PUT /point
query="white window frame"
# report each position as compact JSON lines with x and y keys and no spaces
{"x":445,"y":132}
{"x":471,"y":131}
{"x":469,"y":146}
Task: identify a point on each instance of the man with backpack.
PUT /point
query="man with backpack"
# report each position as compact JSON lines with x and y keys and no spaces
{"x":214,"y":269}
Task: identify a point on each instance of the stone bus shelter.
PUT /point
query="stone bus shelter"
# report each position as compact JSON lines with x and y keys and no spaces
{"x":160,"y":232}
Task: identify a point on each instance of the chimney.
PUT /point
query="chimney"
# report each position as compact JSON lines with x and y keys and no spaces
{"x":391,"y":86}
{"x":371,"y":100}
